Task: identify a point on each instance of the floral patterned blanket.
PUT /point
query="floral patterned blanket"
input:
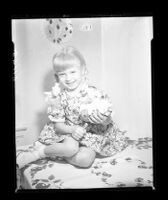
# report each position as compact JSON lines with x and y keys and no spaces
{"x":133,"y":167}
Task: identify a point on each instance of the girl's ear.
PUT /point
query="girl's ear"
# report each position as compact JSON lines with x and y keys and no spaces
{"x":56,"y":78}
{"x":84,"y":72}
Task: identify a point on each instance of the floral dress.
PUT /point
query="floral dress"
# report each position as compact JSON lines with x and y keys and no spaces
{"x":105,"y":139}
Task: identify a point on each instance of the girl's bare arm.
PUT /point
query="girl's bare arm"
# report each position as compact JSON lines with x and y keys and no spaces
{"x":77,"y":132}
{"x":62,"y":128}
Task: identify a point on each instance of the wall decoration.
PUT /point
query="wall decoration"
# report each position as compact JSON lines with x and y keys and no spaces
{"x":86,"y":27}
{"x":59,"y":30}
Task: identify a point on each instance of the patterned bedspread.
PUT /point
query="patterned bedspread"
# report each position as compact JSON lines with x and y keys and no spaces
{"x":133,"y":167}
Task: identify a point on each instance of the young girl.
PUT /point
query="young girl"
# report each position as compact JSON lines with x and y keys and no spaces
{"x":80,"y":115}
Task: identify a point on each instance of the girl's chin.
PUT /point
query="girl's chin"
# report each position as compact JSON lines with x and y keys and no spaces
{"x":71,"y":87}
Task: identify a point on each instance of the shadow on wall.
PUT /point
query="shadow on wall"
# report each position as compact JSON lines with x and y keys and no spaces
{"x":47,"y":84}
{"x":48,"y":81}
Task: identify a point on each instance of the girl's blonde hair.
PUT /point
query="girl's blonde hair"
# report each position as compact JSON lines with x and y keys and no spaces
{"x":68,"y":57}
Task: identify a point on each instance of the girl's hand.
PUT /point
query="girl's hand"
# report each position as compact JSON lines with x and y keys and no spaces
{"x":99,"y":118}
{"x":78,"y":132}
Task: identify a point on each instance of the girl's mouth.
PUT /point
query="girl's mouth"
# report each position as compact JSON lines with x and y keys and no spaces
{"x":70,"y":83}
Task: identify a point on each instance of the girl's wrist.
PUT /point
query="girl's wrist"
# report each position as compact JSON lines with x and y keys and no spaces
{"x":72,"y":129}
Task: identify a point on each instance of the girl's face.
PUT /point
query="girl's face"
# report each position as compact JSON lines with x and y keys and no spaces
{"x":70,"y":78}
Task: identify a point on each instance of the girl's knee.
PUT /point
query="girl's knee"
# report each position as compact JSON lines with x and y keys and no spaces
{"x":71,"y":148}
{"x":86,"y":158}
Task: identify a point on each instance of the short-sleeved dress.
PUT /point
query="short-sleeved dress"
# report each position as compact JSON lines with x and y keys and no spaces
{"x":105,"y":139}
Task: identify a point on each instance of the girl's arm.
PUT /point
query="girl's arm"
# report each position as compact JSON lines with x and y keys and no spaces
{"x":62,"y":128}
{"x":76,"y":132}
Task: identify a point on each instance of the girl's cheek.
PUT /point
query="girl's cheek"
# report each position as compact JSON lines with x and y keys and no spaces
{"x":61,"y":79}
{"x":61,"y":82}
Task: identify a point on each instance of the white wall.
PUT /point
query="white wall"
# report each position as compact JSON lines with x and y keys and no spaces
{"x":127,"y":71}
{"x":118,"y":59}
{"x":33,"y":65}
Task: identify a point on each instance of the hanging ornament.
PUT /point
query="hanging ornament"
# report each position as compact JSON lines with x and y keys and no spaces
{"x":58,"y":31}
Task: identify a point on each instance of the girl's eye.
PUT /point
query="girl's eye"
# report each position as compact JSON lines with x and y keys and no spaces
{"x":61,"y":75}
{"x":72,"y":72}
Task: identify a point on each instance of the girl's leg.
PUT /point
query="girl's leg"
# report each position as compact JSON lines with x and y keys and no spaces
{"x":84,"y":158}
{"x":67,"y":148}
{"x":28,"y":155}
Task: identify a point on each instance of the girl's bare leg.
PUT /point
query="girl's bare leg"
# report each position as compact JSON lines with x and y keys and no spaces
{"x":67,"y":148}
{"x":84,"y":158}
